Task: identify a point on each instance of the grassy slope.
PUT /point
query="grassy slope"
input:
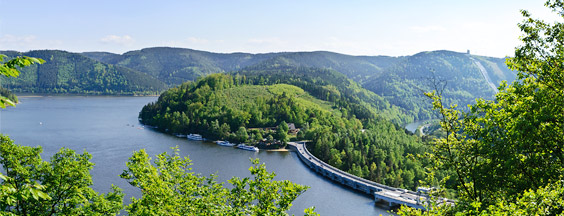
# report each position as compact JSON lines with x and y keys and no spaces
{"x":241,"y":96}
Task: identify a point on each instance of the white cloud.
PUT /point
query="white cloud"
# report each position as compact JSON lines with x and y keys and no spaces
{"x":6,"y":39}
{"x":27,"y":42}
{"x":125,"y":40}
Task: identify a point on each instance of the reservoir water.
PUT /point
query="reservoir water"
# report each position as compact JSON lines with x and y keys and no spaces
{"x":107,"y":127}
{"x":414,"y":125}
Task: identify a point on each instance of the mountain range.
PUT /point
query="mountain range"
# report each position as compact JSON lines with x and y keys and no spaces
{"x":395,"y":81}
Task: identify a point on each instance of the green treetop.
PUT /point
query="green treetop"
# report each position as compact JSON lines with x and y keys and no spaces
{"x":508,"y":152}
{"x":10,"y":69}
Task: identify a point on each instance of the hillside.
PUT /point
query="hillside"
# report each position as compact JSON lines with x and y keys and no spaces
{"x":395,"y":84}
{"x":328,"y":85}
{"x":404,"y":83}
{"x":65,"y":72}
{"x":223,"y":107}
{"x":101,"y":56}
{"x":398,"y":81}
{"x":357,"y":68}
{"x":177,"y":65}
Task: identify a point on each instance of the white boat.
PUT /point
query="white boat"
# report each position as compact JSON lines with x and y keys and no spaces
{"x":196,"y":137}
{"x":225,"y":143}
{"x":248,"y":148}
{"x":180,"y":135}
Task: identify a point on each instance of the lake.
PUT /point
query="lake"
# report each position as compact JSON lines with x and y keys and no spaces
{"x":414,"y":125}
{"x":107,"y":127}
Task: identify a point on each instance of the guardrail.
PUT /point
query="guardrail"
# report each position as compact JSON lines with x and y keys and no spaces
{"x":394,"y":196}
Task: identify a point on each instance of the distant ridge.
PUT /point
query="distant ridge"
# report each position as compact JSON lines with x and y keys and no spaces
{"x":399,"y":81}
{"x":66,"y":72}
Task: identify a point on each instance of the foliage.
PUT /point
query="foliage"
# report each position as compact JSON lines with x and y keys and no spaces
{"x":176,"y":65}
{"x":282,"y":132}
{"x":65,"y":183}
{"x":546,"y":200}
{"x":403,"y":83}
{"x":169,"y":188}
{"x":10,"y":69}
{"x":507,"y":154}
{"x":397,"y":81}
{"x":66,"y":72}
{"x":330,"y":86}
{"x":8,"y":95}
{"x":206,"y":106}
{"x":218,"y":105}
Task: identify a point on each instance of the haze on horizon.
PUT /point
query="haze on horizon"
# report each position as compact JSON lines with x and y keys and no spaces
{"x":353,"y":27}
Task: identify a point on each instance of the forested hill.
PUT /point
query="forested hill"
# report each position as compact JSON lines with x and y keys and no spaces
{"x":459,"y":73}
{"x":398,"y":82}
{"x":357,"y":68}
{"x":65,"y":72}
{"x":223,"y":107}
{"x":329,"y":85}
{"x":401,"y":81}
{"x":177,"y":65}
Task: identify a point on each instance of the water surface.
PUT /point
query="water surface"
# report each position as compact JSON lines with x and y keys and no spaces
{"x":107,"y":127}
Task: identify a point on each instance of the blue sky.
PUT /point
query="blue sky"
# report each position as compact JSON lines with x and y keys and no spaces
{"x":394,"y":28}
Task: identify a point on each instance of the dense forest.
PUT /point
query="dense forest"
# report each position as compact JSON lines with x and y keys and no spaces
{"x":506,"y":154}
{"x":65,"y":72}
{"x":395,"y":84}
{"x":225,"y":106}
{"x":455,"y":74}
{"x":8,"y":94}
{"x":63,"y":185}
{"x":177,"y":65}
{"x":501,"y":156}
{"x":328,"y":85}
{"x":398,"y":81}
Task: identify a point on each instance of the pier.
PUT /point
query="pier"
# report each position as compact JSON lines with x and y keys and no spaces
{"x":393,"y":196}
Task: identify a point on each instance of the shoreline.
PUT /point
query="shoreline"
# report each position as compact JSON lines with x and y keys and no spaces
{"x":279,"y":150}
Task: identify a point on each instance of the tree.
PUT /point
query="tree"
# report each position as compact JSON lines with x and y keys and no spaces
{"x":502,"y":148}
{"x":10,"y":69}
{"x":269,"y":139}
{"x":258,"y":136}
{"x":65,"y":183}
{"x":224,"y":131}
{"x":282,"y":132}
{"x":242,"y":135}
{"x":169,"y":188}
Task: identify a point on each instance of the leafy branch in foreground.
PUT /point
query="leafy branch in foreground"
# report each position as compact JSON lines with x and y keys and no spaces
{"x":169,"y":187}
{"x":507,"y":153}
{"x":10,"y":69}
{"x":65,"y":183}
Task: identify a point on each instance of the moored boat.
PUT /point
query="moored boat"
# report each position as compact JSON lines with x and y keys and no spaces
{"x":180,"y":135}
{"x":225,"y":143}
{"x":195,"y":137}
{"x":248,"y":148}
